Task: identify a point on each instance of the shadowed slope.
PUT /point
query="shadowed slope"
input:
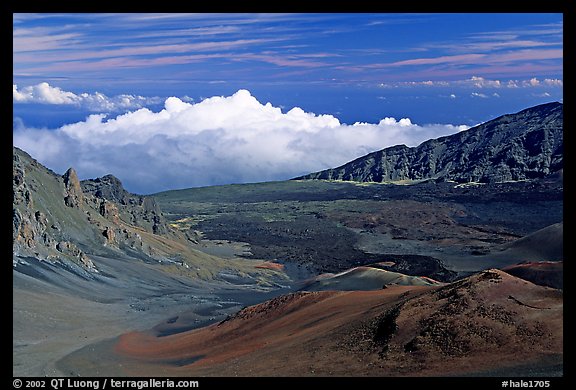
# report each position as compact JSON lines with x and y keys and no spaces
{"x":543,"y":273}
{"x":544,"y":244}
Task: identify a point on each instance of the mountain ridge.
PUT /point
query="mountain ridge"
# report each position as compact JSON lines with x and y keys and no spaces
{"x":520,"y":146}
{"x":60,"y":218}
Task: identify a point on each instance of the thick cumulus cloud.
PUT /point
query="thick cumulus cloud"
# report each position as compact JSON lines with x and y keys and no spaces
{"x":220,"y":140}
{"x":44,"y":93}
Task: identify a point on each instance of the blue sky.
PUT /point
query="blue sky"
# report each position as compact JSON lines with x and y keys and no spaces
{"x":450,"y":69}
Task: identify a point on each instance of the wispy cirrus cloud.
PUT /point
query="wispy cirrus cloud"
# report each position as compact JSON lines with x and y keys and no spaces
{"x":528,"y":55}
{"x":476,"y":58}
{"x":510,"y":43}
{"x":356,"y":49}
{"x":287,"y":60}
{"x":53,"y":47}
{"x":455,"y":59}
{"x":536,"y":30}
{"x":538,"y":35}
{"x":280,"y":60}
{"x":158,"y":50}
{"x":535,"y":49}
{"x":25,"y":40}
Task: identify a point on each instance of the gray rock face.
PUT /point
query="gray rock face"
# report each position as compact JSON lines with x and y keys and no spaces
{"x":115,"y":203}
{"x":37,"y":200}
{"x":525,"y":145}
{"x":108,"y":187}
{"x":57,"y":218}
{"x":28,"y":226}
{"x":71,"y":250}
{"x":73,"y":196}
{"x":109,"y":210}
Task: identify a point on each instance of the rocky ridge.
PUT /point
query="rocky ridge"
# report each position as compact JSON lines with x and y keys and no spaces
{"x":36,"y":231}
{"x":59,"y":218}
{"x":521,"y":146}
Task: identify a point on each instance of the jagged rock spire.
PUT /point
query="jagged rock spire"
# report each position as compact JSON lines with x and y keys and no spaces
{"x":73,"y":196}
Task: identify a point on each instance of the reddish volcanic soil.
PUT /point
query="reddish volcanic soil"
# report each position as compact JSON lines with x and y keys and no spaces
{"x":285,"y":336}
{"x":270,"y":265}
{"x":490,"y":322}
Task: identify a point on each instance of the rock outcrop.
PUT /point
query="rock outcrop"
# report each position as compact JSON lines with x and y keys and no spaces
{"x":525,"y":145}
{"x":115,"y":203}
{"x":109,"y":210}
{"x":73,"y":196}
{"x":71,"y":250}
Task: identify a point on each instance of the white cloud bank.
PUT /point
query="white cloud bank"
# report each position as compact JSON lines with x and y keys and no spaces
{"x":220,"y":140}
{"x":44,"y":93}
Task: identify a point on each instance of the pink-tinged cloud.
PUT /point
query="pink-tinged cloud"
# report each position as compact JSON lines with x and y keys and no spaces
{"x":456,"y":59}
{"x":119,"y":63}
{"x":448,"y":73}
{"x":527,"y":55}
{"x":503,"y":63}
{"x":506,"y":42}
{"x":135,"y":62}
{"x":535,"y":30}
{"x":148,"y":50}
{"x":25,"y":44}
{"x":190,"y":32}
{"x":287,"y":61}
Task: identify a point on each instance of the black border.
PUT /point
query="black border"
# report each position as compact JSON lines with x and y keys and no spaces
{"x":487,"y":6}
